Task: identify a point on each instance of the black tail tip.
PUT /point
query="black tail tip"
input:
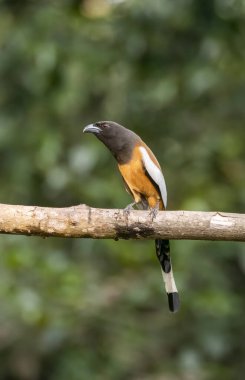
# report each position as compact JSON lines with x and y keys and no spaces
{"x":173,"y":302}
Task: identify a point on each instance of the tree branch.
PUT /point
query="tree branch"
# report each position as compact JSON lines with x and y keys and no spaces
{"x":87,"y":222}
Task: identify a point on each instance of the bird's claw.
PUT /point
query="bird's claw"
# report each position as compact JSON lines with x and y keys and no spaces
{"x":153,"y":212}
{"x":128,"y":209}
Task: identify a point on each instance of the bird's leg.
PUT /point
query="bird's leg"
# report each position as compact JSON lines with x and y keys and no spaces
{"x":130,"y":207}
{"x":154,"y":210}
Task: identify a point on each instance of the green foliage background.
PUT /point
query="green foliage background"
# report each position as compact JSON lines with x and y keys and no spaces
{"x":173,"y":71}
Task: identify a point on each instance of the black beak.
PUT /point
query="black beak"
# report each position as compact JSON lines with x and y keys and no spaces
{"x":91,"y":128}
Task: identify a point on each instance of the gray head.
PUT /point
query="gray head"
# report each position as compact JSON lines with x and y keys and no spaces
{"x":119,"y":140}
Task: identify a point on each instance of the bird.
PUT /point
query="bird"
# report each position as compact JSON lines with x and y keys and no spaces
{"x":144,"y":180}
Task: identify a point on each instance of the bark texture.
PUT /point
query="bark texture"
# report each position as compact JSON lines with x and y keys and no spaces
{"x":86,"y":222}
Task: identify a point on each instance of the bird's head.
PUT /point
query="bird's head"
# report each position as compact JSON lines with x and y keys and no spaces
{"x":103,"y":129}
{"x":118,"y":139}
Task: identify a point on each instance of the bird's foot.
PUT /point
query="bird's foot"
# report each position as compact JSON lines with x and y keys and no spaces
{"x":129,"y":208}
{"x":153,"y":212}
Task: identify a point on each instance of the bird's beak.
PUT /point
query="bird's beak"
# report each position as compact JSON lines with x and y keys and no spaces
{"x":91,"y":128}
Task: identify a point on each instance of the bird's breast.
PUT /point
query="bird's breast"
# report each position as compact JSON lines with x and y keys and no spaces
{"x":134,"y":174}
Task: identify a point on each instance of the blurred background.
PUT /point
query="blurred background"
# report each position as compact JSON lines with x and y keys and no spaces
{"x":174,"y":72}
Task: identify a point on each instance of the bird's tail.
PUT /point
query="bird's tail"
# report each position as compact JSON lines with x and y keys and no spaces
{"x":163,"y":254}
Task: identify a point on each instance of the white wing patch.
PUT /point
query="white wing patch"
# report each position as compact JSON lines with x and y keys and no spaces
{"x":155,"y":173}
